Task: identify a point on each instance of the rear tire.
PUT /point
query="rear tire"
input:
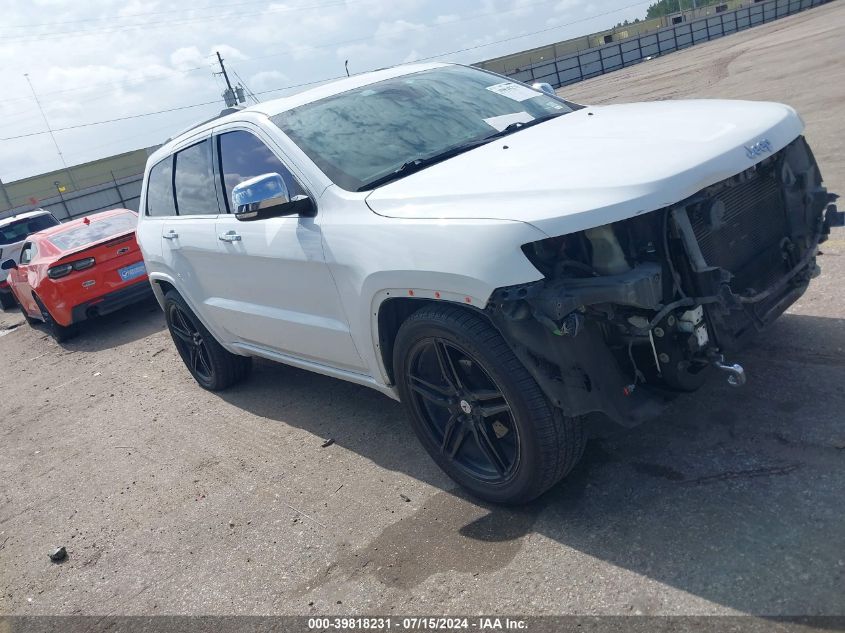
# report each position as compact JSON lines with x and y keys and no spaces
{"x":59,"y":332}
{"x":495,"y":433}
{"x":210,"y":364}
{"x":32,"y":322}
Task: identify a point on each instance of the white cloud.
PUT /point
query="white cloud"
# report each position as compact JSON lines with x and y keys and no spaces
{"x":226,"y":51}
{"x":567,"y":5}
{"x":267,"y":80}
{"x":186,"y":57}
{"x":137,"y":8}
{"x":397,"y":30}
{"x":112,"y":71}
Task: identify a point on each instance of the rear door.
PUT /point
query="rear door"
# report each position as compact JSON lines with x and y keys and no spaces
{"x":187,"y":198}
{"x":275,"y":288}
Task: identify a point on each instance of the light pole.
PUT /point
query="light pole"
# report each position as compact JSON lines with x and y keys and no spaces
{"x":50,"y":130}
{"x":59,"y":189}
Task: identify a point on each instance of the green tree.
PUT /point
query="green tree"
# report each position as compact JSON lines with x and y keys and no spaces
{"x":666,"y":7}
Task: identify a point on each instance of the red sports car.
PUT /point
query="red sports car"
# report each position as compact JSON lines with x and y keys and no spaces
{"x":73,"y":271}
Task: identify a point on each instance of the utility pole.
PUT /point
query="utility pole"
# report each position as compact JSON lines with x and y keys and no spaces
{"x":232,"y":96}
{"x":225,"y":75}
{"x":50,"y":130}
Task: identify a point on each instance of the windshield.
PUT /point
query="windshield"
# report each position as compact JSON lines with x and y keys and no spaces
{"x":98,"y":230}
{"x":18,"y":231}
{"x":361,"y":136}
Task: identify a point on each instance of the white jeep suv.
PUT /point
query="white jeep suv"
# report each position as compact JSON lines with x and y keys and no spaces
{"x":13,"y":233}
{"x":502,"y":261}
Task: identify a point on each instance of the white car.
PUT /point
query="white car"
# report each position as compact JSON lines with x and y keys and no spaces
{"x":13,"y":233}
{"x":500,"y":260}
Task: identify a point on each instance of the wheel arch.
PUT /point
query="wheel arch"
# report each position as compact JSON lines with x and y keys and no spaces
{"x":162,"y":284}
{"x":392,"y":312}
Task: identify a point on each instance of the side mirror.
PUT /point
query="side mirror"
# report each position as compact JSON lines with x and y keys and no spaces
{"x":9,"y":264}
{"x":544,"y":87}
{"x":267,"y":196}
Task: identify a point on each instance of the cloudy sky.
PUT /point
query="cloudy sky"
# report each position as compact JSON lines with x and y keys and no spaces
{"x":108,"y":59}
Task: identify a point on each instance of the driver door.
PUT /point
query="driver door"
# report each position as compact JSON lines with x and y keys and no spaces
{"x":279,"y":294}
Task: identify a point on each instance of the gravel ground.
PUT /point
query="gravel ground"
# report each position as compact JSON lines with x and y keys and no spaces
{"x":173,"y":500}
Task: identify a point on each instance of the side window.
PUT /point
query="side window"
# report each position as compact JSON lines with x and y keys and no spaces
{"x":244,"y":156}
{"x":194,"y":183}
{"x":160,"y":189}
{"x":27,"y":252}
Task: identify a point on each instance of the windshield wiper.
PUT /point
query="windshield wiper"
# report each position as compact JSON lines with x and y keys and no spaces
{"x":521,"y":125}
{"x":417,"y":164}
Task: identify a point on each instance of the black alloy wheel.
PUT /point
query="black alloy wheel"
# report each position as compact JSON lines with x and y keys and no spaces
{"x":464,"y":410}
{"x":190,"y":343}
{"x":477,"y":410}
{"x":212,"y":366}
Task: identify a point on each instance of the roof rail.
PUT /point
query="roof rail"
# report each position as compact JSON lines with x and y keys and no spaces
{"x":223,"y":112}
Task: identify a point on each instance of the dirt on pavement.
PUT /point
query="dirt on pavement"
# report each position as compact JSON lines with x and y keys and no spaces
{"x":170,"y":499}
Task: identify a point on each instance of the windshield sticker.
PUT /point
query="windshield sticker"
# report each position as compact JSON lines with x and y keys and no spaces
{"x":517,"y":92}
{"x":499,"y":123}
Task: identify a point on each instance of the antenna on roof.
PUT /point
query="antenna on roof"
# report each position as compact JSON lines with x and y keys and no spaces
{"x":346,"y":66}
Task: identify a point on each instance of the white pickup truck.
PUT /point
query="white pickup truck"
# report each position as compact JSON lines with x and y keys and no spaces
{"x":502,"y":261}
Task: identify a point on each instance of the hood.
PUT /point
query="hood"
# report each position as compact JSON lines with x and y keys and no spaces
{"x":594,"y":166}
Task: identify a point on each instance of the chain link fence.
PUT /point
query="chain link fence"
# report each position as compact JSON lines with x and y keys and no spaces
{"x":575,"y":67}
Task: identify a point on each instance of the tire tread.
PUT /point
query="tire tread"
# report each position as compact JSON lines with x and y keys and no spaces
{"x":561,"y":439}
{"x":228,"y":368}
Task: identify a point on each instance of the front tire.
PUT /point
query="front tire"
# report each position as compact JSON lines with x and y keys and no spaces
{"x":476,"y":409}
{"x":210,"y":364}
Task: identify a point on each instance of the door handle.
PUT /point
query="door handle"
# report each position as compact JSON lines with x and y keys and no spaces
{"x":170,"y":235}
{"x":229,"y":236}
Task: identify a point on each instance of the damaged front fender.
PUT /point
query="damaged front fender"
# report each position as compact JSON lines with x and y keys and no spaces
{"x":566,"y":353}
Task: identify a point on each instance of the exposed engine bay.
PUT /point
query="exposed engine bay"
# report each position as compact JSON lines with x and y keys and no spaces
{"x":630,"y":312}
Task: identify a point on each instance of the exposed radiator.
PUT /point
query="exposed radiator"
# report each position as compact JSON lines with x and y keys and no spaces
{"x":746,"y":237}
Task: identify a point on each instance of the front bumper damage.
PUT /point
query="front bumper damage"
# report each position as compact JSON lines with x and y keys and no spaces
{"x":621,"y":344}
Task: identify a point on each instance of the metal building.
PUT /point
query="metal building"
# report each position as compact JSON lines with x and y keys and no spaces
{"x":98,"y":185}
